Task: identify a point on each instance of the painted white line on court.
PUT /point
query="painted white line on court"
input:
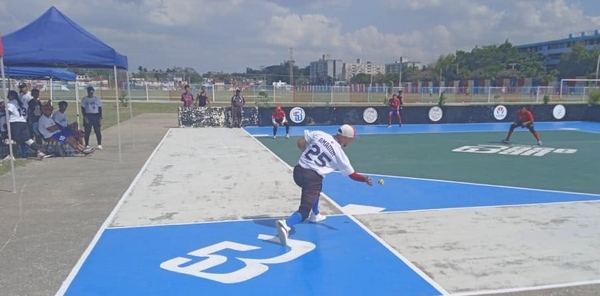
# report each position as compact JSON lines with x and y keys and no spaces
{"x":485,"y":207}
{"x":484,"y":185}
{"x":365,"y":228}
{"x":67,"y":282}
{"x":534,"y":288}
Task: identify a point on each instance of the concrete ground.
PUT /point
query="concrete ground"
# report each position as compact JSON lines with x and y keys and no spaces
{"x":62,"y":203}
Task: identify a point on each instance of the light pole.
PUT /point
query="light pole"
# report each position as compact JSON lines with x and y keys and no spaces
{"x":400,"y":74}
{"x":597,"y":67}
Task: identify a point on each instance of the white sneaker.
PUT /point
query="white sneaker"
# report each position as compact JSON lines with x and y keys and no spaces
{"x":316,"y":218}
{"x":540,"y":143}
{"x":274,"y":137}
{"x":41,"y":155}
{"x":283,"y":231}
{"x":87,"y":146}
{"x":287,"y":136}
{"x":99,"y":147}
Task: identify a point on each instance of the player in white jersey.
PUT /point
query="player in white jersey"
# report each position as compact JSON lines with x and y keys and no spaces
{"x":91,"y":107}
{"x":17,"y":118}
{"x":25,"y":96}
{"x":322,"y":154}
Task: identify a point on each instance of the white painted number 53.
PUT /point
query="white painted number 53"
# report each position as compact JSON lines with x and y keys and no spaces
{"x":253,"y":267}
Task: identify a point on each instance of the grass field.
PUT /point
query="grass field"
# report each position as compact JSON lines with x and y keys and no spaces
{"x":109,"y":110}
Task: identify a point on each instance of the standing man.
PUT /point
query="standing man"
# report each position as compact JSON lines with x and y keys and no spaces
{"x":322,"y":153}
{"x":524,"y":119}
{"x":187,"y":97}
{"x":91,"y":107}
{"x":395,"y":104}
{"x":34,"y":112}
{"x":278,"y":118}
{"x":203,"y":98}
{"x":237,"y":103}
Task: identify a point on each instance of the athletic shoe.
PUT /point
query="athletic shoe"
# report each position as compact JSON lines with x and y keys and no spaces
{"x":99,"y":147}
{"x":88,"y":151}
{"x":505,"y":141}
{"x":87,"y":146}
{"x":389,"y":125}
{"x":287,"y":136}
{"x":316,"y":218}
{"x":283,"y":231}
{"x":274,"y":137}
{"x":41,"y":155}
{"x":540,"y":142}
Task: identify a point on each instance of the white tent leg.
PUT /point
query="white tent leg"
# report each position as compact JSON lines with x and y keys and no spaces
{"x":77,"y":103}
{"x":130,"y":108}
{"x":11,"y":154}
{"x":118,"y":112}
{"x":51,"y":92}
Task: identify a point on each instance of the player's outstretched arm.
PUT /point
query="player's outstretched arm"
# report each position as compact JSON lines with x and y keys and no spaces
{"x":360,"y":178}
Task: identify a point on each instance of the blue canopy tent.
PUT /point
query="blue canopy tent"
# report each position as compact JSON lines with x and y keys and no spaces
{"x":54,"y":40}
{"x":40,"y":73}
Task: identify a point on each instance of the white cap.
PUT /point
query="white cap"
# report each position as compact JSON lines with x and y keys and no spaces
{"x":347,"y":131}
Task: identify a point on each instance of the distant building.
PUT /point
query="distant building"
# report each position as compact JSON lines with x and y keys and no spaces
{"x":351,"y":69}
{"x":553,"y":49}
{"x":394,"y":68}
{"x":325,"y":71}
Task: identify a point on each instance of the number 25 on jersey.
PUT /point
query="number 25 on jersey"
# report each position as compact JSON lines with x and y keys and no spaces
{"x":321,"y":158}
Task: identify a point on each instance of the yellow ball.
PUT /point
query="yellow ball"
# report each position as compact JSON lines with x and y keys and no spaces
{"x":381,"y":182}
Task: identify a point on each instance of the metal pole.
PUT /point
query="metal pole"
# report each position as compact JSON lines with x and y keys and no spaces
{"x":597,"y":67}
{"x":400,"y":75}
{"x":130,"y":108}
{"x":10,"y":141}
{"x":118,"y":112}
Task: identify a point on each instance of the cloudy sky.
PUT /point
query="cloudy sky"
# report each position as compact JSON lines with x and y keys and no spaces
{"x":230,"y":35}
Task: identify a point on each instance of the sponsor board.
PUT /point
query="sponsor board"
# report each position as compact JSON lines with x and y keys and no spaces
{"x":522,"y":150}
{"x":559,"y":112}
{"x":500,"y":112}
{"x":436,"y":113}
{"x":370,"y":115}
{"x":297,"y":115}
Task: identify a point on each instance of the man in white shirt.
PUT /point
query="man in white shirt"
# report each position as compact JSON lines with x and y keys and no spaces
{"x":322,"y":153}
{"x":50,"y":130}
{"x":91,"y":107}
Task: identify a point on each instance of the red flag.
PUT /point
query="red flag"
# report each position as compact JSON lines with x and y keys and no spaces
{"x":1,"y":48}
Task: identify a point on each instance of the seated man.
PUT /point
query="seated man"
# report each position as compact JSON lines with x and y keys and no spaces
{"x":50,"y":130}
{"x":60,"y":118}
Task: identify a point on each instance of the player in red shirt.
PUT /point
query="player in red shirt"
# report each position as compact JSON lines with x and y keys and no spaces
{"x":278,"y":118}
{"x":395,"y":104}
{"x":524,"y":119}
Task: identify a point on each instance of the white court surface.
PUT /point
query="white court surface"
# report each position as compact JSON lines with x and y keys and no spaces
{"x":498,"y":247}
{"x":210,"y":174}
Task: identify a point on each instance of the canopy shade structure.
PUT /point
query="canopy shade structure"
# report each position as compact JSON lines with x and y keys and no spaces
{"x":40,"y":73}
{"x":54,"y":40}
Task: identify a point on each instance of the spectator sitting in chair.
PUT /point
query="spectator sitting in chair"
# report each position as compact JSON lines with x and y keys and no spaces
{"x":50,"y":130}
{"x":60,"y":118}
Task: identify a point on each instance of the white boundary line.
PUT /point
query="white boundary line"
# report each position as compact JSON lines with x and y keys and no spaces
{"x":534,"y":288}
{"x":484,"y":185}
{"x":483,"y":207}
{"x":361,"y":225}
{"x":205,"y":222}
{"x":67,"y":282}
